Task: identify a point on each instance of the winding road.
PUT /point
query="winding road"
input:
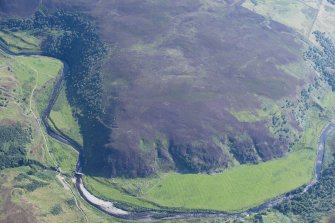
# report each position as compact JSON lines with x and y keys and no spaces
{"x":111,"y":209}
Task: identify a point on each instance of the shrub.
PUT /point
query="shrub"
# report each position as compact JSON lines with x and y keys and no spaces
{"x":56,"y":210}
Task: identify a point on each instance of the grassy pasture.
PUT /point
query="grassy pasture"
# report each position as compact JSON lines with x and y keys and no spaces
{"x":304,"y":16}
{"x":239,"y":188}
{"x":46,"y":67}
{"x":296,"y":14}
{"x":24,"y":79}
{"x":64,"y":155}
{"x":235,"y":189}
{"x":61,"y":115}
{"x":326,"y":19}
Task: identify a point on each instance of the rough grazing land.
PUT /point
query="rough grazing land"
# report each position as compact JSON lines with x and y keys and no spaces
{"x":304,"y":16}
{"x":32,"y":194}
{"x":177,"y":75}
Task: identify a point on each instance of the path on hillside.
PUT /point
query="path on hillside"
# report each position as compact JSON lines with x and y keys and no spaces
{"x":109,"y":207}
{"x":59,"y":80}
{"x":314,"y":20}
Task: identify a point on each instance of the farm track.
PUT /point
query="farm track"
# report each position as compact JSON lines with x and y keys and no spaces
{"x":314,"y":20}
{"x":149,"y":215}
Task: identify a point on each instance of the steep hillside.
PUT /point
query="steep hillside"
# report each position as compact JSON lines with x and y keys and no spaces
{"x":193,"y":86}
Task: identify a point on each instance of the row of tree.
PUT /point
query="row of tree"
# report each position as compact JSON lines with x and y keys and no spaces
{"x":316,"y":202}
{"x":323,"y":58}
{"x":73,"y":39}
{"x":319,"y":199}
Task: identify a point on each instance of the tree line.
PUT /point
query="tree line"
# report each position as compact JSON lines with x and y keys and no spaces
{"x":73,"y":39}
{"x":319,"y":199}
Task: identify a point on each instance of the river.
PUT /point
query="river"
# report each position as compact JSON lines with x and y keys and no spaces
{"x":111,"y":209}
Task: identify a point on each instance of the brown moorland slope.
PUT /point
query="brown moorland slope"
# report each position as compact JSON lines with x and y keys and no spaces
{"x":179,"y":73}
{"x":21,"y":8}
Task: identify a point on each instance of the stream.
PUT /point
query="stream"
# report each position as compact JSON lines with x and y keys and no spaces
{"x":109,"y":207}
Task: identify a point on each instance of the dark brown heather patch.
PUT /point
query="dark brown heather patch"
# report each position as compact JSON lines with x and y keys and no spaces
{"x":177,"y":70}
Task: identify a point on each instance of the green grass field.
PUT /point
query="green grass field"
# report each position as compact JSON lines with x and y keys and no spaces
{"x":26,"y":81}
{"x":44,"y":68}
{"x":239,"y":188}
{"x":64,"y":155}
{"x":61,"y":115}
{"x":295,"y":14}
{"x":304,"y":16}
{"x":236,"y":189}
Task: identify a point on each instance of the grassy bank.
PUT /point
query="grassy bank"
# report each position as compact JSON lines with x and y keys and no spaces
{"x":239,"y":188}
{"x":236,"y":189}
{"x":25,"y":81}
{"x":32,"y":194}
{"x":104,"y":190}
{"x":20,"y":41}
{"x":62,"y":116}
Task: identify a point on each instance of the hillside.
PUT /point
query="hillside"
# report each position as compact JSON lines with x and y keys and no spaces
{"x":190,"y":87}
{"x":35,"y":169}
{"x":167,"y":109}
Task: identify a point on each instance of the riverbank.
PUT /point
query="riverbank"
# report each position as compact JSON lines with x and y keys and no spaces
{"x":151,"y":214}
